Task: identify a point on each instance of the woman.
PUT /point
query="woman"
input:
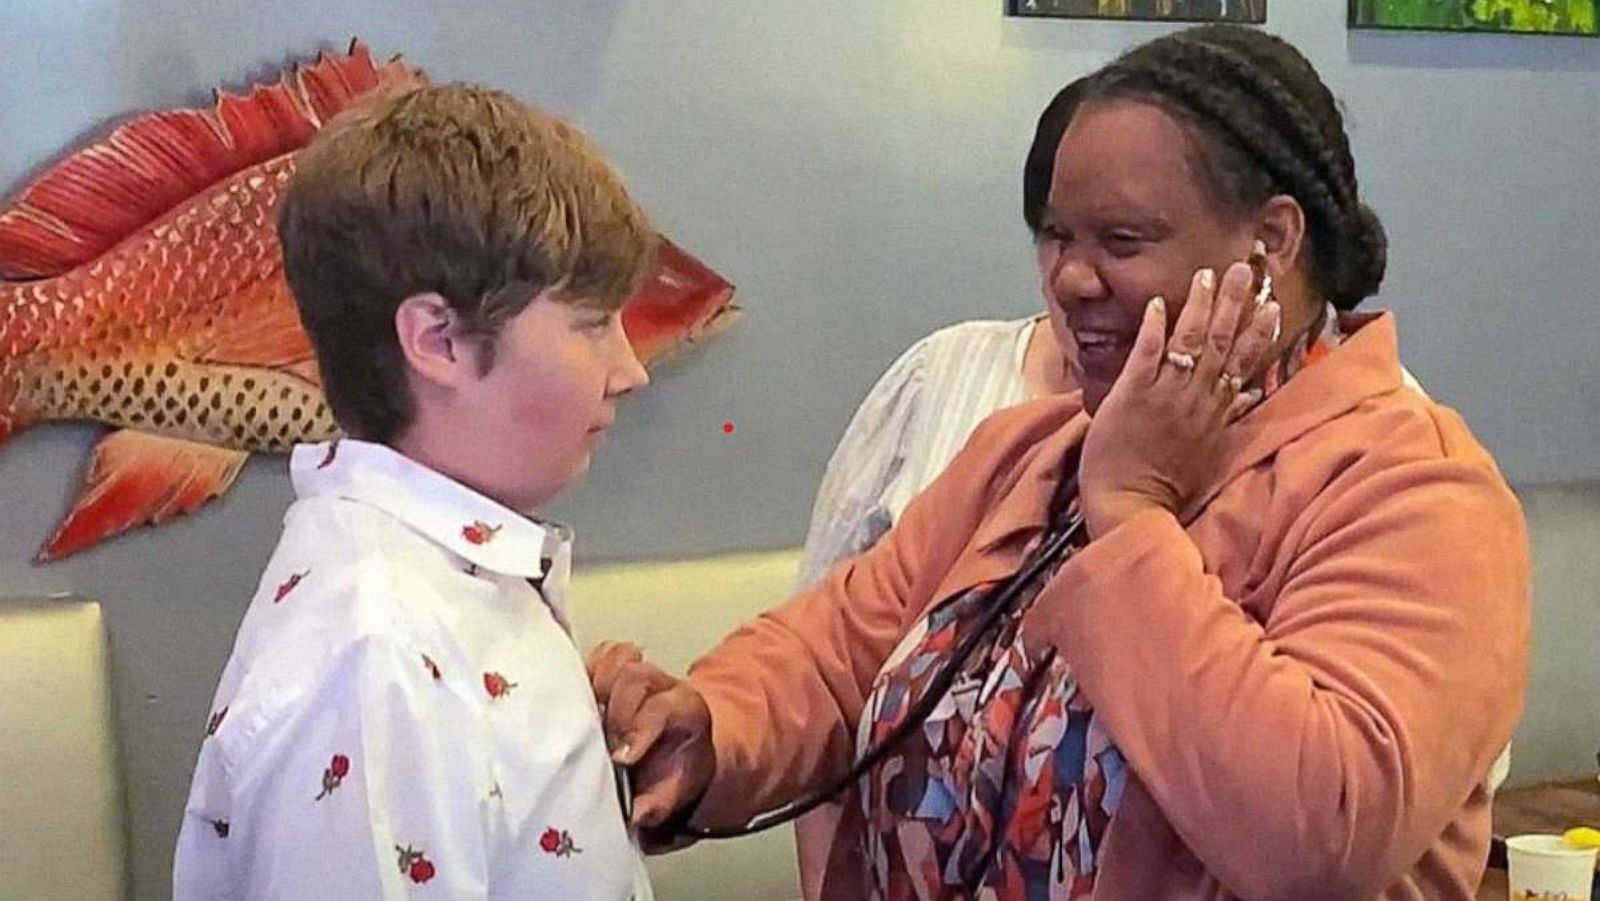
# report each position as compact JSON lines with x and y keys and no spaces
{"x":925,"y":407}
{"x":1295,"y":635}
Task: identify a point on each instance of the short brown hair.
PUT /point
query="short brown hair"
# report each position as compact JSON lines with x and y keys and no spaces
{"x":459,"y":190}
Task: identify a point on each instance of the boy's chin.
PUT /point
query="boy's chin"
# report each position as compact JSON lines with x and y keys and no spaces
{"x":546,"y":493}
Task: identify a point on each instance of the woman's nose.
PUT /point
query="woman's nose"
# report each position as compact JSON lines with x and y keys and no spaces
{"x":1075,"y":278}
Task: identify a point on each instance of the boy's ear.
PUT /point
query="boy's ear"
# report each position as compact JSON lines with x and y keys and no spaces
{"x":431,"y":340}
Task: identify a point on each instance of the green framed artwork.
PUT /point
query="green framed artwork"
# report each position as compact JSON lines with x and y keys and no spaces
{"x":1572,"y":17}
{"x":1252,"y":11}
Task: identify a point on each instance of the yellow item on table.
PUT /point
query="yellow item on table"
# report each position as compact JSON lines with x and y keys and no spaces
{"x":1583,"y":837}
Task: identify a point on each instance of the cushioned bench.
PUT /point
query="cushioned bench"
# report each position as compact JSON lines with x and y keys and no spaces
{"x":62,"y":821}
{"x":677,"y":611}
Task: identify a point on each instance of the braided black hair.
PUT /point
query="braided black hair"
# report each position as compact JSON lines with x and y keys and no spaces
{"x":1266,"y":125}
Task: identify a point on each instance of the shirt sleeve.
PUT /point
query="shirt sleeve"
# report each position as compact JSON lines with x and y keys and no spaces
{"x":1347,"y":729}
{"x":852,"y":511}
{"x":369,"y":785}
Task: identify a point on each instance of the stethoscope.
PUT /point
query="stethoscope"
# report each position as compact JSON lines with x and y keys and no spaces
{"x":1047,"y":554}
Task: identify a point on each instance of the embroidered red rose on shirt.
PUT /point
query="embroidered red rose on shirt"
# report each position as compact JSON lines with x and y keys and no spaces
{"x":415,"y":864}
{"x":333,"y":776}
{"x":215,"y":722}
{"x":479,"y":532}
{"x":558,"y":842}
{"x":497,"y":685}
{"x":433,"y":668}
{"x":290,"y":585}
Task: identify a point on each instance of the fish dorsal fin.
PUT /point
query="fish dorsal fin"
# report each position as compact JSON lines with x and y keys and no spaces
{"x":83,"y":205}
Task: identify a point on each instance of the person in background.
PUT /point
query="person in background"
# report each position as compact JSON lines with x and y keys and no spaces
{"x":920,"y":413}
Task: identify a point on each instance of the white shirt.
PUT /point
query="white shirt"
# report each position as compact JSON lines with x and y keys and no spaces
{"x":908,"y":429}
{"x":404,"y":714}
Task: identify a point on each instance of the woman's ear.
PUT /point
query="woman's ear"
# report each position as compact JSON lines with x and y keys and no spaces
{"x":430,"y":339}
{"x":1281,"y":229}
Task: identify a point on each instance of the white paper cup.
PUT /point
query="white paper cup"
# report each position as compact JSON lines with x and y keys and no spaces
{"x":1546,"y":868}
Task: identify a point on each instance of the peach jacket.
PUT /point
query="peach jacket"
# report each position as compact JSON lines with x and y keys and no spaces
{"x":1310,"y":670}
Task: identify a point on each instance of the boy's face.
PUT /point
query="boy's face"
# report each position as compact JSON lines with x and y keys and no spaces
{"x":529,"y":425}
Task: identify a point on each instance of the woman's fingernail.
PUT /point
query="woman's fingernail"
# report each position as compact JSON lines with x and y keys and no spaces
{"x":1208,"y":279}
{"x":1159,"y":303}
{"x":1276,"y":312}
{"x":622,"y":755}
{"x":1253,"y":396}
{"x":1265,"y":294}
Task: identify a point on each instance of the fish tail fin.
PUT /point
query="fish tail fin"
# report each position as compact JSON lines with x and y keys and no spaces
{"x":681,"y":302}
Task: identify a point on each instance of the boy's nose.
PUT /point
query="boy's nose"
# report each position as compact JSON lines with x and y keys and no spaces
{"x":629,"y":374}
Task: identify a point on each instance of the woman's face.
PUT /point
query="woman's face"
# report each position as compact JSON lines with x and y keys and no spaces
{"x":1127,"y":220}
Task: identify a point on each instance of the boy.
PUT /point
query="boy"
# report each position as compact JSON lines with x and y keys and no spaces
{"x":404,"y":714}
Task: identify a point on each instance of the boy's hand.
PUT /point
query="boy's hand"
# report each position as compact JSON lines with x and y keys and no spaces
{"x":658,"y":726}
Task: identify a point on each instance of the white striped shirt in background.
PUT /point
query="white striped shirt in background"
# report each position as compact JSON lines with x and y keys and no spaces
{"x":908,"y":429}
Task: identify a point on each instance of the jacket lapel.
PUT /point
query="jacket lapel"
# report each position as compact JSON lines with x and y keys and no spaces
{"x":1020,"y":512}
{"x":1364,"y":366}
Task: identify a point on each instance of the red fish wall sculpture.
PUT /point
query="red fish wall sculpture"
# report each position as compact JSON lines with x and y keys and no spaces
{"x":141,"y":286}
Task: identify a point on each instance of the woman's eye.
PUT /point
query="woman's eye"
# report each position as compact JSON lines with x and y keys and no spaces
{"x":1124,"y":243}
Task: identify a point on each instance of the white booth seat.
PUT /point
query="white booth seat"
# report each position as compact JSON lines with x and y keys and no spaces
{"x":677,"y":611}
{"x":62,"y":817}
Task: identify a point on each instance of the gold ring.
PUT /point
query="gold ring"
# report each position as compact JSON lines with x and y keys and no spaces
{"x":1181,"y":361}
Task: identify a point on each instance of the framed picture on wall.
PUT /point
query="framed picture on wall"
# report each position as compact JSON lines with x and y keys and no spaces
{"x":1252,"y":11}
{"x":1570,"y":17}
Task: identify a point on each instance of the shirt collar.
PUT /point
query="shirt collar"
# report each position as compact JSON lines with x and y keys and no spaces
{"x":485,"y":533}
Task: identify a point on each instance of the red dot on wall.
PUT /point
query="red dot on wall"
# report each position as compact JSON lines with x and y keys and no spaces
{"x":727,"y":428}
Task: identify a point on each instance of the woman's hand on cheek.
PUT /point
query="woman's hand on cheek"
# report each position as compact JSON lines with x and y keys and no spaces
{"x":1157,"y":436}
